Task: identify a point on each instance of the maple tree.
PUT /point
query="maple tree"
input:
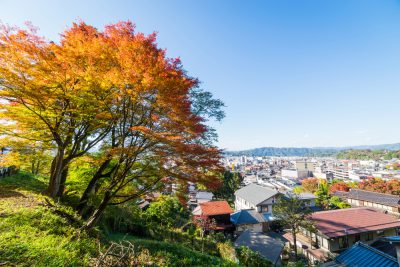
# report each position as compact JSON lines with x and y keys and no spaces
{"x":381,"y":186}
{"x":339,"y":186}
{"x":310,"y":184}
{"x":115,"y":91}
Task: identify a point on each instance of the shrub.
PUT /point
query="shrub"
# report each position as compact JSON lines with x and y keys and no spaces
{"x":249,"y":258}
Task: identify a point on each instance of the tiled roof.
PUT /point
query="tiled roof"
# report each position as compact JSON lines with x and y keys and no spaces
{"x":363,"y":255}
{"x":384,"y":199}
{"x":341,"y":222}
{"x":255,"y":193}
{"x":246,"y":217}
{"x":213,"y":208}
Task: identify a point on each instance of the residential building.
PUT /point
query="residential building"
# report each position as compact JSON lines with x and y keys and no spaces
{"x":268,"y":245}
{"x":308,"y":199}
{"x":254,"y":196}
{"x":337,"y":230}
{"x":211,"y":212}
{"x":304,"y":165}
{"x":249,"y":220}
{"x":360,"y":198}
{"x":361,"y":254}
{"x":296,"y":174}
{"x":258,"y":198}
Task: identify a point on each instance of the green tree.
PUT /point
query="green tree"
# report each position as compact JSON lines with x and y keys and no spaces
{"x":230,"y":183}
{"x":167,"y":211}
{"x":322,"y":194}
{"x":336,"y":202}
{"x":293,"y":213}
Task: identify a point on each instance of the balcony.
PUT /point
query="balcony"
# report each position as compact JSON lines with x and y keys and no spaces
{"x":307,"y":248}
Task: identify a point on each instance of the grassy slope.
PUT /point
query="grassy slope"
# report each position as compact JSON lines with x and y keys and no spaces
{"x":172,"y":254}
{"x":32,"y":235}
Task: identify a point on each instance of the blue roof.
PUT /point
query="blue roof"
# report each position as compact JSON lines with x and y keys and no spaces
{"x":268,"y":217}
{"x":246,"y":217}
{"x":363,"y":255}
{"x":392,"y":239}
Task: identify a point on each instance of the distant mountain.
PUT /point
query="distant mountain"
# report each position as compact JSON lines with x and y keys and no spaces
{"x":304,"y":151}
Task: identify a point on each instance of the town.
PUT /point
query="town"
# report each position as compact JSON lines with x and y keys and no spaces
{"x":199,"y":133}
{"x":356,"y":222}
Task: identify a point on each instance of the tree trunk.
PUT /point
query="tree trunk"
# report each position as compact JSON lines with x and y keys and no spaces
{"x":295,"y":243}
{"x":57,"y":166}
{"x":33,"y":167}
{"x":63,"y":179}
{"x":93,"y":219}
{"x":37,"y":167}
{"x":91,"y":187}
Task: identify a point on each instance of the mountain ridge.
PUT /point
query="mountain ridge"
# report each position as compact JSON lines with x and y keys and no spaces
{"x":307,"y":151}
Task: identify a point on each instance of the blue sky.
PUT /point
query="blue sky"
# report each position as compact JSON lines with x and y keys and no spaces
{"x":291,"y":73}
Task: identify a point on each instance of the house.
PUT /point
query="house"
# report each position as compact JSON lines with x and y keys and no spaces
{"x":363,"y":255}
{"x":196,"y":197}
{"x":269,"y":246}
{"x":204,"y":196}
{"x":215,"y":215}
{"x":249,"y":220}
{"x":359,"y":198}
{"x":337,"y":230}
{"x":253,"y":204}
{"x":254,"y":196}
{"x":308,"y":199}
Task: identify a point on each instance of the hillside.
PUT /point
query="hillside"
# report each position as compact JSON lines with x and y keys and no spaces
{"x":34,"y":233}
{"x":302,"y":151}
{"x":363,"y":154}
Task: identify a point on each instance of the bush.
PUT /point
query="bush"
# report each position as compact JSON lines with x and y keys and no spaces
{"x":249,"y":258}
{"x":227,"y":251}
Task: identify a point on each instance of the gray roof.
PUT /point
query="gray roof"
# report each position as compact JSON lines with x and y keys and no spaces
{"x":306,"y":195}
{"x":268,"y":246}
{"x":204,"y":195}
{"x":255,"y":193}
{"x":383,"y":199}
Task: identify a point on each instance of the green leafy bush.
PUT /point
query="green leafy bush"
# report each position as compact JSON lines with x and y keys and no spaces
{"x":249,"y":258}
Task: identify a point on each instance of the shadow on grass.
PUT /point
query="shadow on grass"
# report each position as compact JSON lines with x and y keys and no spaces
{"x":23,"y":181}
{"x":10,"y":194}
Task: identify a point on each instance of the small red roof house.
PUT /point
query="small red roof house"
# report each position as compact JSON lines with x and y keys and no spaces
{"x":214,"y":215}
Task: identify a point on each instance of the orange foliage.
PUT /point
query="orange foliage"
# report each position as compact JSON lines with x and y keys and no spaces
{"x":339,"y":186}
{"x":310,"y":184}
{"x":381,"y":186}
{"x":113,"y":87}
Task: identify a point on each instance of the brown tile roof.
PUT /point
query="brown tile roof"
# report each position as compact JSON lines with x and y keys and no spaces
{"x":215,"y":208}
{"x":334,"y":223}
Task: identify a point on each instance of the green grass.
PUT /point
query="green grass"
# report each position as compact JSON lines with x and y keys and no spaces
{"x":172,"y":254}
{"x":31,"y":234}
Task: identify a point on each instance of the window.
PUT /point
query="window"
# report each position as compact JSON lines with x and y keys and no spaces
{"x":357,"y":238}
{"x":342,"y":242}
{"x":370,"y":236}
{"x":380,"y":233}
